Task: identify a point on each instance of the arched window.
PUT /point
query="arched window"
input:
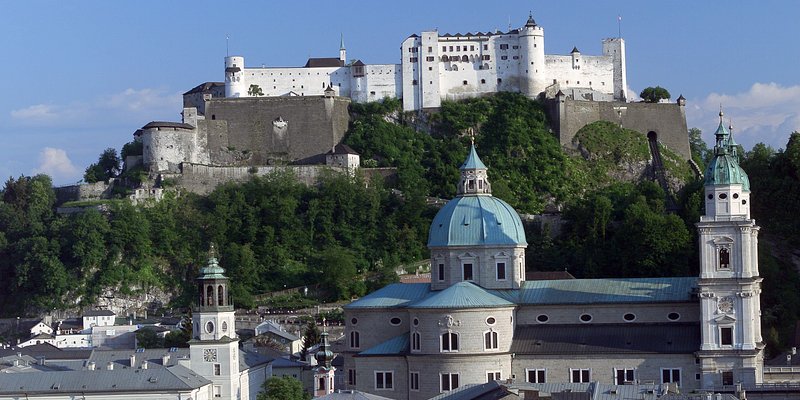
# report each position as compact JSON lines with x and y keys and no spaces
{"x":224,"y":326}
{"x":445,"y":59}
{"x":355,"y":340}
{"x":464,"y":58}
{"x":490,"y":340}
{"x":416,"y":343}
{"x":220,"y":295}
{"x":210,"y":295}
{"x":455,"y":67}
{"x":724,"y":258}
{"x":202,"y":297}
{"x":449,"y":342}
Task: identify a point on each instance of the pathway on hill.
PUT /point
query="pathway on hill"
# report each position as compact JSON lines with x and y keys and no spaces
{"x":660,"y":173}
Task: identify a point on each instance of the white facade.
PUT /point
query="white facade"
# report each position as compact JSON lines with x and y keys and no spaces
{"x":436,"y":67}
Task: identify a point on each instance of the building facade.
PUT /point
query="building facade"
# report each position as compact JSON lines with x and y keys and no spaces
{"x":479,"y":320}
{"x":436,"y":67}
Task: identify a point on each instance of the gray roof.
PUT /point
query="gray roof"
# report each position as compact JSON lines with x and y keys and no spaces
{"x":274,"y":328}
{"x":173,"y":378}
{"x":486,"y":391}
{"x":96,"y":313}
{"x":351,"y":395}
{"x":122,"y":358}
{"x":250,"y":359}
{"x":394,"y":295}
{"x":666,"y":338}
{"x":324,"y":62}
{"x":342,"y":148}
{"x":605,"y":291}
{"x":205,"y":86}
{"x":164,"y":124}
{"x":48,"y":351}
{"x":598,"y":391}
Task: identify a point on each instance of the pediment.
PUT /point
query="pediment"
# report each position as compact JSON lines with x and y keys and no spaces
{"x":722,"y":240}
{"x":724,"y":319}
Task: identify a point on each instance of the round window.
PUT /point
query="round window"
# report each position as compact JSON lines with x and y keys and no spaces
{"x":744,"y":201}
{"x":629,"y":317}
{"x":586,"y":318}
{"x":415,"y":321}
{"x":490,"y":321}
{"x":673,"y":316}
{"x":736,"y":195}
{"x":542,"y":318}
{"x":723,"y":196}
{"x":209,"y":327}
{"x":354,"y":321}
{"x":395,"y":321}
{"x":710,"y":196}
{"x":224,"y":326}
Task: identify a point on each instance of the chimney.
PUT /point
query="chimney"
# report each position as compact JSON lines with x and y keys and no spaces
{"x":144,"y":364}
{"x":133,"y":360}
{"x":42,"y":360}
{"x":110,"y":366}
{"x":91,"y":366}
{"x":165,"y":359}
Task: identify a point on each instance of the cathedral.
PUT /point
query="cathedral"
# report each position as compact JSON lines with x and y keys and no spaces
{"x":479,"y":320}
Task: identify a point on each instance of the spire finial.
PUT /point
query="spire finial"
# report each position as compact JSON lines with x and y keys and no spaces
{"x":341,"y":41}
{"x":720,"y":113}
{"x":471,"y":133}
{"x":212,"y":250}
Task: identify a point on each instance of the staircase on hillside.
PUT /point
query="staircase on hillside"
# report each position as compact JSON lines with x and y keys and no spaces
{"x":659,"y":172}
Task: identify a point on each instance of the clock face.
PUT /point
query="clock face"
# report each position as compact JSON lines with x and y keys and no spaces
{"x":210,"y":355}
{"x":725,"y":304}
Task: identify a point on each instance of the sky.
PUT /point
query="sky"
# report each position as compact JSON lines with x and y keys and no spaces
{"x":81,"y":76}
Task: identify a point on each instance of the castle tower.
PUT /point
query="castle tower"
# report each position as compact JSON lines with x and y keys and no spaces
{"x":214,"y":347}
{"x":324,"y":372}
{"x":477,"y":237}
{"x":342,"y":51}
{"x":615,"y":48}
{"x":234,"y":72}
{"x":531,"y":51}
{"x":729,"y":285}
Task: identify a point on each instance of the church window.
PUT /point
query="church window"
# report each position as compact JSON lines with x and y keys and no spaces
{"x":467,"y":272}
{"x":724,"y":258}
{"x":395,"y":321}
{"x":224,"y":326}
{"x":744,"y":202}
{"x":671,"y":375}
{"x":727,"y":378}
{"x":586,"y":318}
{"x":209,"y":295}
{"x":723,"y":196}
{"x":673,"y":316}
{"x":580,"y":375}
{"x":490,"y":321}
{"x":490,"y":340}
{"x":351,"y":377}
{"x":220,"y":295}
{"x":492,"y":376}
{"x":710,"y":196}
{"x":542,"y":318}
{"x":354,"y":321}
{"x":736,"y":195}
{"x":430,"y":58}
{"x":623,"y":375}
{"x":321,"y":383}
{"x":449,"y":342}
{"x":629,"y":317}
{"x":501,"y":271}
{"x":536,"y":375}
{"x":515,"y":47}
{"x":441,"y":272}
{"x":448,"y":382}
{"x":413,"y":59}
{"x":413,"y":380}
{"x":384,"y":380}
{"x":726,"y":336}
{"x":210,"y":327}
{"x":415,"y":321}
{"x":445,"y":59}
{"x":355,"y":341}
{"x":217,"y":369}
{"x":416,"y":342}
{"x":515,"y":57}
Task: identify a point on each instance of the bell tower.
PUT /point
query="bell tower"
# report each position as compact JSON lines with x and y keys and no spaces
{"x":324,"y":372}
{"x":729,"y":286}
{"x":214,"y":347}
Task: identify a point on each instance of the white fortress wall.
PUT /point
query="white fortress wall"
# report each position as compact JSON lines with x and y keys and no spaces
{"x":596,"y":72}
{"x":280,"y":81}
{"x":379,"y":81}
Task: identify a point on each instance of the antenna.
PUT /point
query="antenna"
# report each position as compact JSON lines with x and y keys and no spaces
{"x":227,"y":51}
{"x":509,"y":23}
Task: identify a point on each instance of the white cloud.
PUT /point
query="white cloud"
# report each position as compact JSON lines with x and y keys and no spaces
{"x":135,"y":105}
{"x":56,"y":163}
{"x":767,"y":112}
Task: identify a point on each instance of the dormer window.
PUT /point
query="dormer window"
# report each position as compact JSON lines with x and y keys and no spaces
{"x":471,"y":184}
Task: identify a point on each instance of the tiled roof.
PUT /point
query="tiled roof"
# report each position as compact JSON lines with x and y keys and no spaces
{"x":323,"y":62}
{"x":666,"y":338}
{"x":593,"y":291}
{"x":397,"y":345}
{"x":394,"y":295}
{"x":462,"y":295}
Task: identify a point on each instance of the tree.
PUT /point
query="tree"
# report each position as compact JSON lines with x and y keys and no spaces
{"x":699,"y":148}
{"x":283,"y":388}
{"x":255,"y":91}
{"x":311,"y":336}
{"x":106,"y":167}
{"x":148,"y":339}
{"x":654,"y":94}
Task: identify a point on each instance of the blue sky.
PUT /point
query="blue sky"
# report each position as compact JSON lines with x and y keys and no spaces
{"x":82,"y":76}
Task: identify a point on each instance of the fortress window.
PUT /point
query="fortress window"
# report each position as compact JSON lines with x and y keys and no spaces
{"x":445,"y":59}
{"x":736,"y":195}
{"x":629,"y":317}
{"x":449,"y":341}
{"x":744,"y":202}
{"x":458,"y":48}
{"x":487,"y":57}
{"x":220,"y":296}
{"x":384,"y":380}
{"x":724,"y":259}
{"x":430,"y":49}
{"x":499,"y":81}
{"x":486,"y":47}
{"x":503,"y":47}
{"x":579,"y":82}
{"x":213,"y":116}
{"x":464,"y":59}
{"x":413,"y":59}
{"x":515,"y":57}
{"x":504,"y":57}
{"x":710,"y":196}
{"x":448,"y":382}
{"x":471,"y":183}
{"x":414,"y":82}
{"x":444,"y":49}
{"x":555,"y":81}
{"x":471,"y":48}
{"x":515,"y":47}
{"x":451,"y":48}
{"x":580,"y":375}
{"x":354,"y":321}
{"x":395,"y":321}
{"x":671,"y":375}
{"x":483,"y":80}
{"x":501,"y":271}
{"x":430,"y":58}
{"x":413,"y":380}
{"x":536,"y":376}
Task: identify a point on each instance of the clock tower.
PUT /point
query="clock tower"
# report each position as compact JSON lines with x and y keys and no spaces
{"x":729,"y":287}
{"x":214,"y":347}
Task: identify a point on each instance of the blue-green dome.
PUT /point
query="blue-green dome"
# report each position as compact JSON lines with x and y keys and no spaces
{"x":724,"y":170}
{"x":476,"y":220}
{"x":212,"y":270}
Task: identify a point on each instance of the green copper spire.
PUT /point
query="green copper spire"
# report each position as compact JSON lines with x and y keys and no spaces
{"x":212,"y":270}
{"x":473,"y":161}
{"x":724,"y":168}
